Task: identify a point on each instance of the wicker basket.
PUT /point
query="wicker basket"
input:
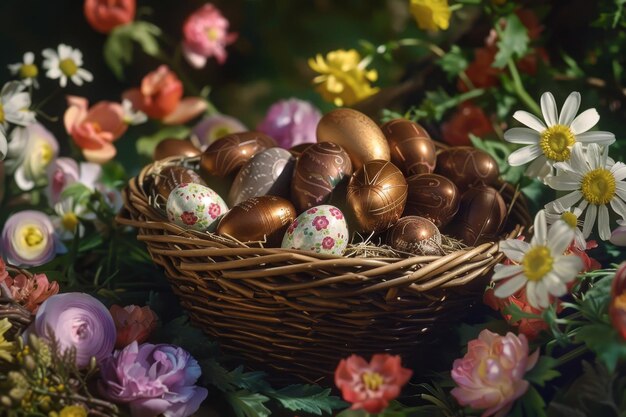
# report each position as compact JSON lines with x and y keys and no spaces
{"x":299,"y":312}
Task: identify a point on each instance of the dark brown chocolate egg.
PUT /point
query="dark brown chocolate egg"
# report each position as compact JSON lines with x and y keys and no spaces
{"x":410,"y":146}
{"x":376,"y":195}
{"x":227,"y":155}
{"x":175,"y":147}
{"x":414,"y":234}
{"x":298,"y":149}
{"x":482,"y":213}
{"x":466,"y":166}
{"x":171,"y":177}
{"x":319,"y":169}
{"x":432,"y":196}
{"x":257,"y":219}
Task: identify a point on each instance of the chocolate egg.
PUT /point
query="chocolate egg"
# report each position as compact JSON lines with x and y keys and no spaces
{"x":171,"y":177}
{"x":356,"y":133}
{"x":321,"y":229}
{"x":432,"y":196}
{"x":298,"y":149}
{"x":482,"y":213}
{"x":230,"y":153}
{"x":175,"y":147}
{"x":415,"y":234}
{"x":410,"y":146}
{"x":268,"y":172}
{"x":466,"y":166}
{"x":195,"y":206}
{"x":319,"y":169}
{"x":376,"y":194}
{"x":263,"y":218}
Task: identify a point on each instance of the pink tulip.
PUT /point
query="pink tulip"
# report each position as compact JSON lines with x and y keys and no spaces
{"x":94,"y":129}
{"x":490,"y":375}
{"x":160,"y":97}
{"x":206,"y":35}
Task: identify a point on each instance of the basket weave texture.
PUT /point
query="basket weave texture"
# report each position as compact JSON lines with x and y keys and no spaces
{"x":298,"y":313}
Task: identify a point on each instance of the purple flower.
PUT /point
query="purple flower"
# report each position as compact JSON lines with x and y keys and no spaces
{"x":28,"y":239}
{"x":211,"y":128}
{"x":66,"y":171}
{"x":291,"y":122}
{"x":153,"y":380}
{"x":78,"y":320}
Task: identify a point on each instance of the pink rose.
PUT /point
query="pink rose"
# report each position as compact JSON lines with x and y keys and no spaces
{"x":214,"y":210}
{"x":94,"y":129}
{"x":206,"y":35}
{"x":312,"y":210}
{"x":292,"y":227}
{"x":328,"y":242}
{"x":490,"y":375}
{"x":189,"y":218}
{"x":336,"y":213}
{"x":320,"y":222}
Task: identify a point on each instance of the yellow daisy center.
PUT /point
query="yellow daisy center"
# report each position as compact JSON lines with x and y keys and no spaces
{"x":46,"y":153}
{"x":570,"y":218}
{"x":598,"y":186}
{"x":32,"y":236}
{"x":537,"y":263}
{"x":73,"y":411}
{"x":556,"y":141}
{"x":68,"y":67}
{"x":28,"y":71}
{"x":1,"y":113}
{"x":372,"y":380}
{"x":69,"y":221}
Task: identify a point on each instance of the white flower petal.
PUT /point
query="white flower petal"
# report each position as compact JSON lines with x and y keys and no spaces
{"x":539,"y":168}
{"x":560,"y":237}
{"x":542,"y":294}
{"x":570,"y":108}
{"x":524,"y":155}
{"x":63,"y":81}
{"x":521,"y":135}
{"x":563,"y":182}
{"x":619,"y":171}
{"x":585,"y":121}
{"x":603,"y":138}
{"x":514,"y":249}
{"x":531,"y":294}
{"x":540,"y":229}
{"x":566,"y":202}
{"x":618,"y":207}
{"x":594,"y":156}
{"x":77,"y":80}
{"x":510,"y":287}
{"x":603,"y":223}
{"x":554,"y":285}
{"x":590,"y":219}
{"x":54,"y":73}
{"x":506,"y":271}
{"x":29,"y":58}
{"x":567,"y":267}
{"x":85,"y":75}
{"x":548,"y":109}
{"x":529,"y":120}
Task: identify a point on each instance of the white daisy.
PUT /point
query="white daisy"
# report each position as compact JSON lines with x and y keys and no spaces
{"x":14,"y":105}
{"x":65,"y":63}
{"x":131,"y":115}
{"x":27,"y":70}
{"x":552,"y":141}
{"x":68,"y":219}
{"x":540,"y":265}
{"x":595,"y":182}
{"x":571,"y":218}
{"x":3,"y":143}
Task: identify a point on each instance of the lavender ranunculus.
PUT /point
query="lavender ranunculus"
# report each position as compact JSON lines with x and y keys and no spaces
{"x":78,"y":320}
{"x":28,"y":239}
{"x":66,"y":171}
{"x":211,"y":128}
{"x":291,"y":122}
{"x":153,"y":380}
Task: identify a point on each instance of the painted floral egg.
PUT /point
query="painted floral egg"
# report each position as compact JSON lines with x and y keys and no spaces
{"x":321,"y":229}
{"x":195,"y":206}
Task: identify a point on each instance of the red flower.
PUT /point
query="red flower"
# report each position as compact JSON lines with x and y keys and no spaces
{"x":589,"y":264}
{"x":328,"y":242}
{"x":617,"y":307}
{"x":29,"y":292}
{"x":526,"y":326}
{"x":312,"y":210}
{"x":106,"y":15}
{"x":479,"y":71}
{"x":320,"y":222}
{"x":292,"y":226}
{"x":336,"y":213}
{"x":214,"y":210}
{"x":189,"y":218}
{"x":133,"y":323}
{"x":467,"y":119}
{"x":370,"y":386}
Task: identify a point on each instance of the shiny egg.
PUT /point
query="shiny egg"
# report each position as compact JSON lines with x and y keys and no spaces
{"x":195,"y":206}
{"x":171,"y":177}
{"x":432,"y":196}
{"x":175,"y":147}
{"x":320,"y":229}
{"x":412,"y":150}
{"x":466,"y":166}
{"x":227,"y":155}
{"x":416,"y":235}
{"x":482,"y":213}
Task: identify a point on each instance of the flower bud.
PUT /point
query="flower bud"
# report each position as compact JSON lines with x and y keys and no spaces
{"x":617,"y":306}
{"x":6,"y":401}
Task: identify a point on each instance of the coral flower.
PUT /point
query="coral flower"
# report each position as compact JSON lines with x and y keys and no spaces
{"x":94,"y":129}
{"x":343,"y":79}
{"x":206,"y":35}
{"x":431,"y":14}
{"x":291,"y":122}
{"x":370,"y":386}
{"x":617,"y":306}
{"x":490,"y":375}
{"x":160,"y":97}
{"x":468,"y":119}
{"x":30,"y":292}
{"x":133,"y":324}
{"x":106,"y":15}
{"x":530,"y":327}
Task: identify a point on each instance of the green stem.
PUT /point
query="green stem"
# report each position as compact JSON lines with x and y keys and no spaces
{"x":572,"y":354}
{"x":520,"y":90}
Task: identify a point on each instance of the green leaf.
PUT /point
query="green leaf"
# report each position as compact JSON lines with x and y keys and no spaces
{"x":77,"y":192}
{"x":604,"y":341}
{"x":512,"y":42}
{"x":247,"y":404}
{"x":543,"y":371}
{"x":453,"y":62}
{"x":146,"y":144}
{"x":113,"y":173}
{"x":118,"y":48}
{"x":308,"y":399}
{"x":90,"y":242}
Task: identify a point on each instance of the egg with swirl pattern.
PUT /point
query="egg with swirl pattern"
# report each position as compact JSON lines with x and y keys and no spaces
{"x":320,"y":168}
{"x":227,"y":155}
{"x":411,"y":148}
{"x":467,"y":166}
{"x":433,"y":197}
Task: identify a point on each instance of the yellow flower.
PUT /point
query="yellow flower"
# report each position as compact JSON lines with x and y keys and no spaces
{"x":6,"y":347}
{"x":73,"y":411}
{"x":431,"y":14}
{"x":343,"y":79}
